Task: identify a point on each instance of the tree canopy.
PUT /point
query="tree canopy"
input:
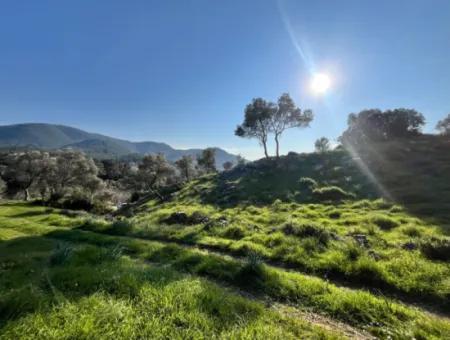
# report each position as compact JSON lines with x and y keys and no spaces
{"x":263,"y":118}
{"x":377,"y":125}
{"x":443,"y":126}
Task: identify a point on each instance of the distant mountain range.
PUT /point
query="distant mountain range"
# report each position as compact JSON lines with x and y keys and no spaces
{"x":49,"y":136}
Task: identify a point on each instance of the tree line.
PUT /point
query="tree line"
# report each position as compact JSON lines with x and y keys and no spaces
{"x":71,"y":179}
{"x":263,"y":119}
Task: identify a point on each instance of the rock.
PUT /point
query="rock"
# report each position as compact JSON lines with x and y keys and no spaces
{"x":362,"y":240}
{"x":409,"y":246}
{"x":198,"y":218}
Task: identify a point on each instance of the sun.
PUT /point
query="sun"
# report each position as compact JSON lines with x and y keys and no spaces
{"x":320,"y":83}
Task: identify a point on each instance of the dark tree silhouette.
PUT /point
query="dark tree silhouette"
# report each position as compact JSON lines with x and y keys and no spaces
{"x":443,"y":126}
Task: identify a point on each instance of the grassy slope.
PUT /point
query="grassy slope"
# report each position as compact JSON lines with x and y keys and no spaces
{"x":267,"y":212}
{"x":61,"y":289}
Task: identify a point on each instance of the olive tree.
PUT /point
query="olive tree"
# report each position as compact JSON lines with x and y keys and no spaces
{"x":322,"y":145}
{"x":206,"y":161}
{"x":71,"y":171}
{"x":443,"y":126}
{"x":152,"y":172}
{"x":23,"y":170}
{"x":186,"y":167}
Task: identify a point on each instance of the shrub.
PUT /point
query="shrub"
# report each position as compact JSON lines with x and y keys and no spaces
{"x":307,"y":230}
{"x":384,"y":222}
{"x":234,"y":233}
{"x":252,"y":274}
{"x":353,"y":251}
{"x":412,"y":231}
{"x":335,"y":214}
{"x":436,"y":249}
{"x":121,"y":227}
{"x":331,"y":193}
{"x":307,"y":184}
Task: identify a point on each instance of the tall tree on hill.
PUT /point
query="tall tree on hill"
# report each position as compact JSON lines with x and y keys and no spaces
{"x":207,"y":160}
{"x":443,"y":126}
{"x":256,"y":122}
{"x":263,"y":118}
{"x":286,"y":115}
{"x":186,"y":167}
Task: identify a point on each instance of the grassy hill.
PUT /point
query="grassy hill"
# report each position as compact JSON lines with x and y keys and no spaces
{"x":346,"y":244}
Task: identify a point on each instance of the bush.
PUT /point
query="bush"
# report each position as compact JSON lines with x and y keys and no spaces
{"x":252,"y":274}
{"x":384,"y":222}
{"x":234,"y":233}
{"x":307,"y":184}
{"x":307,"y":230}
{"x":331,"y":193}
{"x":436,"y":249}
{"x":76,"y":204}
{"x":120,"y":227}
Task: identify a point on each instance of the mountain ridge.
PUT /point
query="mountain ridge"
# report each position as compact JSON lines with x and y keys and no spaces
{"x":57,"y":136}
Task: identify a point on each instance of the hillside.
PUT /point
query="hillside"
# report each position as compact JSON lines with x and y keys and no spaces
{"x":49,"y":136}
{"x":309,"y":246}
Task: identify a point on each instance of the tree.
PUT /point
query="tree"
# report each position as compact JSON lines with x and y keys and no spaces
{"x":153,"y":172}
{"x":256,"y":122}
{"x":376,"y":125}
{"x":443,"y":126}
{"x":207,"y":160}
{"x":240,"y":160}
{"x":227,"y":165}
{"x":70,"y":171}
{"x":112,"y":170}
{"x":186,"y":167}
{"x":286,"y":115}
{"x":263,"y":118}
{"x":322,"y":145}
{"x":20,"y":171}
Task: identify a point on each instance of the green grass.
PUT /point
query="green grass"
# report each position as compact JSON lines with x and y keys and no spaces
{"x":321,"y":239}
{"x":61,"y":289}
{"x":60,"y":282}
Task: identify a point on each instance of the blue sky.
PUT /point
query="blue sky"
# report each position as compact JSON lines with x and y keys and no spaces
{"x":181,"y":72}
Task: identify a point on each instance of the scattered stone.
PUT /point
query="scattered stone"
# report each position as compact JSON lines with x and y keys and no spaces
{"x":362,"y":240}
{"x":198,"y":218}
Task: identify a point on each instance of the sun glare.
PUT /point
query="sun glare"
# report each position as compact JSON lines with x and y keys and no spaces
{"x":320,"y":83}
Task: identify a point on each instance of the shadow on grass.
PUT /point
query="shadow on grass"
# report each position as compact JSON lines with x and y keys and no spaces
{"x":38,"y":273}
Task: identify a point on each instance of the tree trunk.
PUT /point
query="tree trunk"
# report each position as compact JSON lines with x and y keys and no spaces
{"x":277,"y":146}
{"x":264,"y":143}
{"x":27,"y":195}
